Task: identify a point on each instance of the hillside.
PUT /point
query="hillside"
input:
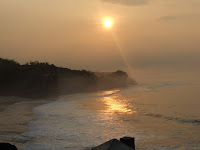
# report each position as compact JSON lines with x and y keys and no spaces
{"x":36,"y":79}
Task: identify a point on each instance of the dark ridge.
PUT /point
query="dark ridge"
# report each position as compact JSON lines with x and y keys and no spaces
{"x":41,"y":79}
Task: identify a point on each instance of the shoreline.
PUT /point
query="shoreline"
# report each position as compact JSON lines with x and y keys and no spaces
{"x":15,"y":113}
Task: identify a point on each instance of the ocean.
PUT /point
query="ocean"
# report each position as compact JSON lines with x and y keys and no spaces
{"x":163,"y":115}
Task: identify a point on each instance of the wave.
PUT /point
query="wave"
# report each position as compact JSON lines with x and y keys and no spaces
{"x":180,"y":120}
{"x":166,"y":84}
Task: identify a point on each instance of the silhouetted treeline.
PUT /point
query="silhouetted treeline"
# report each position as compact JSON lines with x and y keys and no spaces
{"x":36,"y":79}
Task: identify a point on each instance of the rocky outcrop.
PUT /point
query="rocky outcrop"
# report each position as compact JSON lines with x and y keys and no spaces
{"x":126,"y":143}
{"x":7,"y":146}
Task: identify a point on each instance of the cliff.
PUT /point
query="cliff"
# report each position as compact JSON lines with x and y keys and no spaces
{"x":36,"y":79}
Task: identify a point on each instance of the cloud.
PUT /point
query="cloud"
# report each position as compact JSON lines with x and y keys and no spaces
{"x":180,"y":17}
{"x":169,"y":17}
{"x":128,"y":2}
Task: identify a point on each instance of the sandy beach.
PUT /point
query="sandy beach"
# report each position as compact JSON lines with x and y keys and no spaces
{"x":15,"y":113}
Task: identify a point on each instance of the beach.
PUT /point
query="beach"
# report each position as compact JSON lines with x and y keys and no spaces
{"x":160,"y":116}
{"x":15,"y":113}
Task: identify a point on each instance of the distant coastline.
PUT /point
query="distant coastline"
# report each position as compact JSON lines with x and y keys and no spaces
{"x":41,"y":79}
{"x":23,"y":87}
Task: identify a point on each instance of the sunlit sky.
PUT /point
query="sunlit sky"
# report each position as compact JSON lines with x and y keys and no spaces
{"x":69,"y":33}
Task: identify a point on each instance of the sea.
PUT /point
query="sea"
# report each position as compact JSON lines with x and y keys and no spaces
{"x":159,"y":115}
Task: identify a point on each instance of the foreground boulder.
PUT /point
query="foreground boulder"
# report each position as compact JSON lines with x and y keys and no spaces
{"x":130,"y":141}
{"x":113,"y":144}
{"x":7,"y":146}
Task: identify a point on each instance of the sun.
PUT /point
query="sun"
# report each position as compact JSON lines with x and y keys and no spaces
{"x":108,"y":23}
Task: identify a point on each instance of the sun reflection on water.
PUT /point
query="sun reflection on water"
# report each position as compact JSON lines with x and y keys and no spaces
{"x":108,"y":92}
{"x":116,"y":105}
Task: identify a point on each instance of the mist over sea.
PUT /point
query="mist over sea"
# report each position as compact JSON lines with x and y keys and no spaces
{"x":62,"y":61}
{"x":160,"y":115}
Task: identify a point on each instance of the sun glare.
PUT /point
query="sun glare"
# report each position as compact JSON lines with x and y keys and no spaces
{"x":107,"y":23}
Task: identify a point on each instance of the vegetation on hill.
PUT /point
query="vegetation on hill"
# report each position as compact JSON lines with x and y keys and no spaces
{"x":36,"y":79}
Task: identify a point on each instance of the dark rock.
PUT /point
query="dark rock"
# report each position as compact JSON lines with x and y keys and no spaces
{"x":113,"y":144}
{"x":7,"y":146}
{"x":130,"y":141}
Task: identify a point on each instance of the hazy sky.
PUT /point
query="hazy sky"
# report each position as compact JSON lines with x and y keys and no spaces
{"x":146,"y":33}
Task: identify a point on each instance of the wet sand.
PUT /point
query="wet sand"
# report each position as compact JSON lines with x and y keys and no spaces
{"x":15,"y":113}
